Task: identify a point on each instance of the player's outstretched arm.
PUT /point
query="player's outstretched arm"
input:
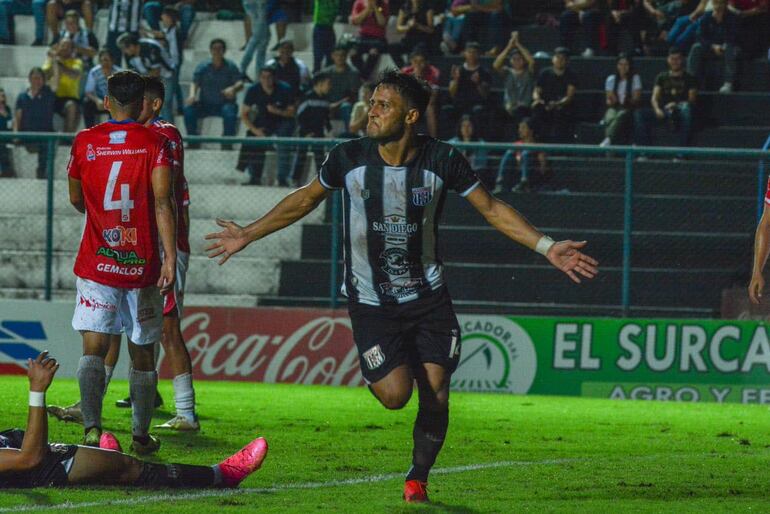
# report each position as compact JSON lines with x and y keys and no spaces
{"x":295,"y":206}
{"x":34,"y":446}
{"x":166,"y":219}
{"x":564,"y":255}
{"x":761,"y":251}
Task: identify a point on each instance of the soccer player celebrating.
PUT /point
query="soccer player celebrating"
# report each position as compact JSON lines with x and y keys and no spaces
{"x":120,"y":177}
{"x":28,"y":460}
{"x":394,"y":184}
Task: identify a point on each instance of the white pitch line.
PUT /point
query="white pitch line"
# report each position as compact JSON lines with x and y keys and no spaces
{"x":222,"y":493}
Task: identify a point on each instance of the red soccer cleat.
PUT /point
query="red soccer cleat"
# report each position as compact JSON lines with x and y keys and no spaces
{"x":108,"y":441}
{"x":415,"y":491}
{"x":237,"y":467}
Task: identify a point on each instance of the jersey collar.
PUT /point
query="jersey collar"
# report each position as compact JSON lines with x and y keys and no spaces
{"x":124,"y":122}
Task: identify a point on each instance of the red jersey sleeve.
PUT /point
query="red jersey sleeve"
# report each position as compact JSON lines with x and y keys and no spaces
{"x":164,"y":156}
{"x":73,"y":168}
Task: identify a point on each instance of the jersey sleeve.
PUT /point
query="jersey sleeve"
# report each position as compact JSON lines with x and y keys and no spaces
{"x":164,"y":156}
{"x":460,"y":176}
{"x":73,"y":167}
{"x":331,"y":175}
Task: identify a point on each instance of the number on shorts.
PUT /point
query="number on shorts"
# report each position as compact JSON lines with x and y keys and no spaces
{"x":124,"y":204}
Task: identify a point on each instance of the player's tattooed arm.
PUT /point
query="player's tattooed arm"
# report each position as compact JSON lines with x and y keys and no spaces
{"x":564,"y":255}
{"x":40,"y":371}
{"x":295,"y":206}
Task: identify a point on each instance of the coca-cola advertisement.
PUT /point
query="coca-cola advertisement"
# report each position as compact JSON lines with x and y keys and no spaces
{"x":299,"y":346}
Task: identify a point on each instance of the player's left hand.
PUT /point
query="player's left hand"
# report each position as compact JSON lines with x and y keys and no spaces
{"x":167,"y":277}
{"x":566,"y":256}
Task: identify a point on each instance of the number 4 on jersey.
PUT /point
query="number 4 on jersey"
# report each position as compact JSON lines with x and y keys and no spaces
{"x":124,"y":204}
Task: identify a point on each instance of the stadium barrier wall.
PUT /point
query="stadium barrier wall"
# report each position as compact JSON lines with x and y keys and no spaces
{"x":645,"y":359}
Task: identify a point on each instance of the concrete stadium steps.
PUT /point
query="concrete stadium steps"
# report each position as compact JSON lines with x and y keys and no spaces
{"x":241,"y":276}
{"x":587,"y":211}
{"x":542,"y":284}
{"x":650,"y":249}
{"x":67,"y":231}
{"x":709,"y":137}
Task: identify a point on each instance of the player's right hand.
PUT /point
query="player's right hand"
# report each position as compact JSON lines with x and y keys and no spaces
{"x":167,"y":277}
{"x":756,"y":287}
{"x":230,"y":241}
{"x":41,"y":371}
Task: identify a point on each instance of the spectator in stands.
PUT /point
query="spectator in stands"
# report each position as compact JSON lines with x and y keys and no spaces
{"x":359,"y":116}
{"x":518,"y":78}
{"x":716,"y":37}
{"x":6,"y":125}
{"x":626,"y":16}
{"x":123,"y":16}
{"x":416,"y":23}
{"x":345,"y":82}
{"x":56,"y":8}
{"x":469,"y":86}
{"x":288,"y":68}
{"x":484,"y":22}
{"x":258,"y":34}
{"x":422,"y":69}
{"x":268,"y":111}
{"x":11,"y":8}
{"x":216,"y":83}
{"x":96,"y":87}
{"x":170,"y":37}
{"x":553,"y":98}
{"x":466,"y":133}
{"x":324,"y":14}
{"x":64,"y":70}
{"x":753,"y":26}
{"x":371,"y":16}
{"x":587,"y":13}
{"x":673,"y":99}
{"x":684,"y":30}
{"x":86,"y":44}
{"x":34,"y":113}
{"x":623,"y":92}
{"x":533,"y":168}
{"x":454,"y":21}
{"x":185,"y":15}
{"x":149,"y":57}
{"x":313,"y":121}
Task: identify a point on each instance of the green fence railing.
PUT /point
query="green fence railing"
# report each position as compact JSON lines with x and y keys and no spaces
{"x":625,"y":162}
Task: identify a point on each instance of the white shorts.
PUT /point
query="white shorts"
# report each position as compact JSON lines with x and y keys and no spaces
{"x":112,"y":310}
{"x":175,"y":299}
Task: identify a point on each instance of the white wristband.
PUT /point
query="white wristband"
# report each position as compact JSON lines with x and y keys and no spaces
{"x":544,"y":244}
{"x":36,"y":399}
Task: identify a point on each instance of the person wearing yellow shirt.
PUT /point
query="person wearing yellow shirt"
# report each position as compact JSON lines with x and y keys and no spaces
{"x":63,"y":71}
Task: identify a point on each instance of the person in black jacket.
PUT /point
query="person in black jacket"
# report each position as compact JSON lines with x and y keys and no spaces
{"x":313,"y":121}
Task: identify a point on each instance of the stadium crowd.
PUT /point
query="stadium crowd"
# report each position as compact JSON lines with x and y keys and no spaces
{"x":281,"y":95}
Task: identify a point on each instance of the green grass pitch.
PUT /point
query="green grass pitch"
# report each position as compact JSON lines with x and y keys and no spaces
{"x":535,"y":454}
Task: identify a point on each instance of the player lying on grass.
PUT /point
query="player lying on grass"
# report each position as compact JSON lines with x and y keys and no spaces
{"x":28,"y":460}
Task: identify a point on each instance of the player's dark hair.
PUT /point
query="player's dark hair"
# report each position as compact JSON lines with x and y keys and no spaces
{"x":154,"y":88}
{"x":220,"y":41}
{"x":415,"y":91}
{"x":126,"y":88}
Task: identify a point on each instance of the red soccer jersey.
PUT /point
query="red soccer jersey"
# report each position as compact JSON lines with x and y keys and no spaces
{"x":181,"y":191}
{"x":113,"y":162}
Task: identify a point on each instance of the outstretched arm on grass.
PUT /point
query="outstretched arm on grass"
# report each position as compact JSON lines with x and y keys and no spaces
{"x":293,"y":207}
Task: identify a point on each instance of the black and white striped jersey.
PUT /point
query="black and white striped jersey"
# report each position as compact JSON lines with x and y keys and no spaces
{"x":391,"y":216}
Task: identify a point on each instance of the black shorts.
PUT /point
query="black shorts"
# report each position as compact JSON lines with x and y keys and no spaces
{"x":420,"y":331}
{"x":61,"y":102}
{"x":52,"y":472}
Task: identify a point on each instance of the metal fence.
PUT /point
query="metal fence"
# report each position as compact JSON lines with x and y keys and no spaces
{"x":670,"y":225}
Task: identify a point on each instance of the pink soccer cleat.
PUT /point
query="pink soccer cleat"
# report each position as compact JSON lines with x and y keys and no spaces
{"x":238,"y":466}
{"x":415,"y":491}
{"x":108,"y":441}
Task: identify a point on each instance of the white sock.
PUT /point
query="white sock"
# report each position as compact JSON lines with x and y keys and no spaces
{"x":107,"y":377}
{"x":142,"y":385}
{"x":184,"y":396}
{"x":90,"y":375}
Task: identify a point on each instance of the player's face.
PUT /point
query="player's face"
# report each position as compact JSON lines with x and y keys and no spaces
{"x":147,"y":111}
{"x":387,"y":111}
